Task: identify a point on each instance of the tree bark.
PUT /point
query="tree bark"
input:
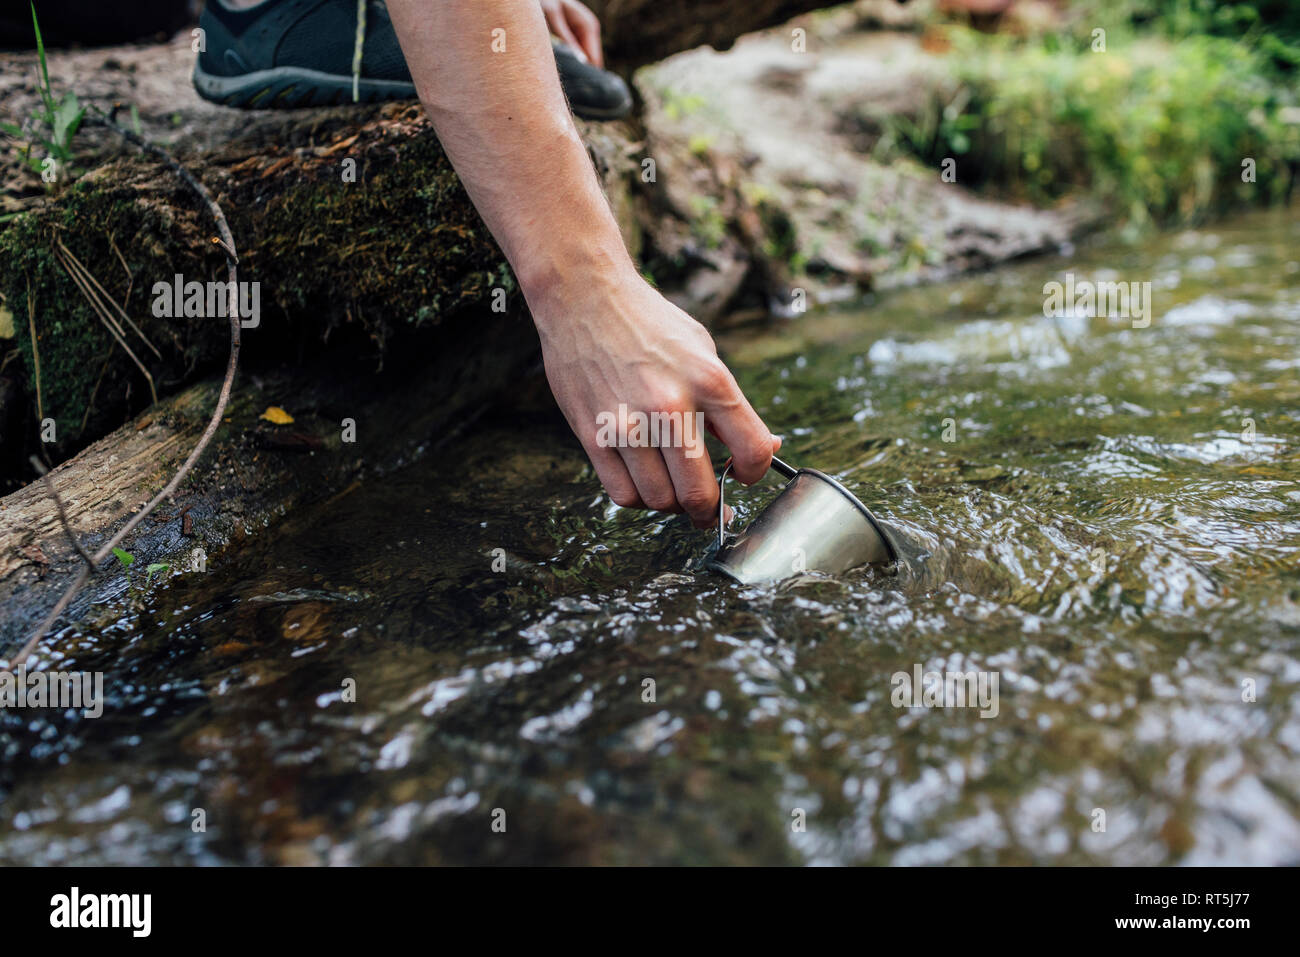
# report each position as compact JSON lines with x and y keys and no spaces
{"x":638,"y":32}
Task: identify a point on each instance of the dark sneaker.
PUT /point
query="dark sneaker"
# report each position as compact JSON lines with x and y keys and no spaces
{"x":287,"y":53}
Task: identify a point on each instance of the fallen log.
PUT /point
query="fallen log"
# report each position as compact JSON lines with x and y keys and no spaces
{"x":348,"y":425}
{"x":637,"y":32}
{"x":354,"y":232}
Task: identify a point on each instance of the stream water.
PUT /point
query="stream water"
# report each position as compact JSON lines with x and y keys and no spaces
{"x":480,"y":660}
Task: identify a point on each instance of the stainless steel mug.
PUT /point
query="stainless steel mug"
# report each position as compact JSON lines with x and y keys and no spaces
{"x":815,"y":524}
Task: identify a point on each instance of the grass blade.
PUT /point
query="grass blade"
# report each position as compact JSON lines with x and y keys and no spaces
{"x":45,"y":70}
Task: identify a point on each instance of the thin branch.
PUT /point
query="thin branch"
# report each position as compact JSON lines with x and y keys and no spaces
{"x":130,"y":280}
{"x":90,"y":403}
{"x":109,"y":299}
{"x":228,"y":242}
{"x":106,"y":318}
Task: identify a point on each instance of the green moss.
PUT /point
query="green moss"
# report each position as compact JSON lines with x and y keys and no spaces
{"x":402,"y":246}
{"x":78,"y":356}
{"x":400,"y":249}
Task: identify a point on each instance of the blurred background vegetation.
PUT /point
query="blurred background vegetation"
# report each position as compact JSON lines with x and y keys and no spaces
{"x":1177,"y":110}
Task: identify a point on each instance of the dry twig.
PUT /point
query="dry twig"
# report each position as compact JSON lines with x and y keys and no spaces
{"x":228,"y":243}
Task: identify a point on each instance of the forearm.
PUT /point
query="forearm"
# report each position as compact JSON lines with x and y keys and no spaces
{"x":609,"y":341}
{"x":504,"y":122}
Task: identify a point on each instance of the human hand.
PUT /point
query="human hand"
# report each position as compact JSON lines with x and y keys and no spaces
{"x":614,"y":347}
{"x":577,"y":26}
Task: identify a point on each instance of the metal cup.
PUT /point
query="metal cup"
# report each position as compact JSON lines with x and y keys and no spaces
{"x":815,"y":524}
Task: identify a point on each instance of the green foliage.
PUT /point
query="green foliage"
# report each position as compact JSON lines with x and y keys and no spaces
{"x":1272,"y":27}
{"x":1158,"y":130}
{"x":678,"y":105}
{"x":700,"y":144}
{"x":53,"y":126}
{"x":707,"y":222}
{"x":1182,"y":18}
{"x":123,"y":556}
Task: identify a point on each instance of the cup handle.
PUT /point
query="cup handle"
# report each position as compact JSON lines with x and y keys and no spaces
{"x":781,"y":468}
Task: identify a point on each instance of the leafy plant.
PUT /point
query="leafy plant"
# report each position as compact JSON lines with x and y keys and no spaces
{"x":1157,"y":129}
{"x":53,"y":126}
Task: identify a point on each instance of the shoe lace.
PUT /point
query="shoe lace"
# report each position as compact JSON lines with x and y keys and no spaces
{"x":359,"y":43}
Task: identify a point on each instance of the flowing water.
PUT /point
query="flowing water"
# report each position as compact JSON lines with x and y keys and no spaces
{"x":478,"y":659}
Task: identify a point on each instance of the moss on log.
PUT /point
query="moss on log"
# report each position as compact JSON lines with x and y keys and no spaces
{"x":352,"y":261}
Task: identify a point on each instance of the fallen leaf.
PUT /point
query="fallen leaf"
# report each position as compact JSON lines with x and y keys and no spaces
{"x":277,"y":416}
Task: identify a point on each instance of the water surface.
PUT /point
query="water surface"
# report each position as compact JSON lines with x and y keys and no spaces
{"x":1105,"y":517}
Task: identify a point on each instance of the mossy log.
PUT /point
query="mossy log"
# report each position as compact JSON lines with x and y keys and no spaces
{"x":349,"y":424}
{"x":356,"y":232}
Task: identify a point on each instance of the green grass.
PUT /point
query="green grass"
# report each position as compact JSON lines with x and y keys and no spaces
{"x":1158,"y":129}
{"x":53,"y":126}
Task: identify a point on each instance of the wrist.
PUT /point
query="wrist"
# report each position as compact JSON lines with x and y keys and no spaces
{"x":554,"y":283}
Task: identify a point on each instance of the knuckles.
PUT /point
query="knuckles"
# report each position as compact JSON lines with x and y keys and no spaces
{"x":624,"y":498}
{"x":751,"y":465}
{"x":668,"y":402}
{"x":714,"y":379}
{"x":661,"y":501}
{"x":700,"y":503}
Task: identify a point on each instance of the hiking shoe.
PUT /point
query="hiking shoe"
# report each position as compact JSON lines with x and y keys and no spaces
{"x":289,"y":53}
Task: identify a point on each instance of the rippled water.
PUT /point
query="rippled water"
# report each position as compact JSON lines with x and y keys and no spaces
{"x":1106,"y":518}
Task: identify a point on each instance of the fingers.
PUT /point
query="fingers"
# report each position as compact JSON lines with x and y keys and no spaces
{"x":666,"y":480}
{"x":675,"y":476}
{"x":586,"y":28}
{"x":694,"y":484}
{"x":650,"y":473}
{"x":669,"y":478}
{"x":672,"y":478}
{"x":557,"y":19}
{"x":614,"y":476}
{"x":733,"y":420}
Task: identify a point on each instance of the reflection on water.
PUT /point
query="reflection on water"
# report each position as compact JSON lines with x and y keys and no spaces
{"x":1105,"y":517}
